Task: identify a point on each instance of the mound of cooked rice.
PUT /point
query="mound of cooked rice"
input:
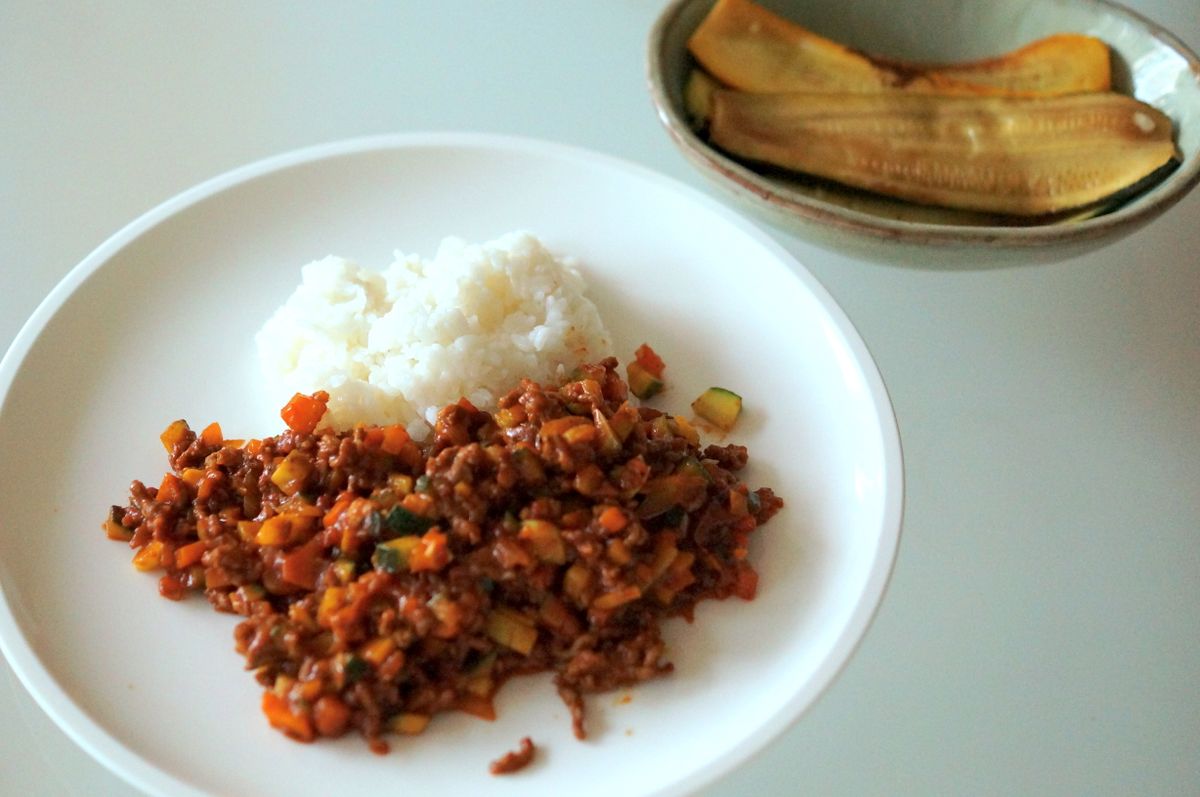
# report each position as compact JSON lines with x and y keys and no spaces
{"x":397,"y":345}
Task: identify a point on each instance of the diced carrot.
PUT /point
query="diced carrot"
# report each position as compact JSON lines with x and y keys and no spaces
{"x":394,"y":438}
{"x":618,"y":552}
{"x":192,"y":475}
{"x":377,"y":649}
{"x":417,"y":503}
{"x":208,"y":486}
{"x":248,"y":529}
{"x":331,"y":601}
{"x":173,"y":434}
{"x":303,"y":413}
{"x":114,"y":529}
{"x":649,"y":359}
{"x":575,"y":519}
{"x":555,"y":427}
{"x":612,"y":520}
{"x":282,"y":718}
{"x":465,"y":403}
{"x":309,"y":690}
{"x":300,"y":566}
{"x":171,"y":588}
{"x":336,"y":511}
{"x":211,"y":436}
{"x":432,"y":554}
{"x":373,"y":437}
{"x":275,"y":530}
{"x":171,"y":490}
{"x":189,"y":555}
{"x":746,"y":586}
{"x":410,"y":456}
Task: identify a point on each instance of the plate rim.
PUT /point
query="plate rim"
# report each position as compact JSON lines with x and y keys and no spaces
{"x":111,"y":753}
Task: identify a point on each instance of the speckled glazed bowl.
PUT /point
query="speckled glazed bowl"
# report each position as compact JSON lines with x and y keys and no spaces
{"x":1148,"y":62}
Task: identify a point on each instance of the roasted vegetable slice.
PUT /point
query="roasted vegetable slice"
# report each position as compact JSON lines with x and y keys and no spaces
{"x":749,"y":48}
{"x":746,"y":46}
{"x":1065,"y":63}
{"x":1018,"y":156}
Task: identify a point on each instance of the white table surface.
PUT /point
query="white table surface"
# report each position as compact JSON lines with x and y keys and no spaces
{"x":1042,"y":630}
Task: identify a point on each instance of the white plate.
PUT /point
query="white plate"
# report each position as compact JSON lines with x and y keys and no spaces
{"x":157,"y":324}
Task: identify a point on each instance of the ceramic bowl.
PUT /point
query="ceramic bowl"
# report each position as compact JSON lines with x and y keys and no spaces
{"x":1148,"y":62}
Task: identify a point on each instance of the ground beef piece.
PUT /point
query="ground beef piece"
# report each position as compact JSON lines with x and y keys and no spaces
{"x":515,"y":759}
{"x":381,"y":581}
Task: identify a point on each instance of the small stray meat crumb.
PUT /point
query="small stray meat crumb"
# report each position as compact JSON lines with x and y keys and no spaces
{"x":515,"y":760}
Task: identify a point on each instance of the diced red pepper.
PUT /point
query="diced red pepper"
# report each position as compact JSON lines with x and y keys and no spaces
{"x":649,"y":359}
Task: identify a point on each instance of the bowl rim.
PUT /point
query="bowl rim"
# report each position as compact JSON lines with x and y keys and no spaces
{"x":781,"y":200}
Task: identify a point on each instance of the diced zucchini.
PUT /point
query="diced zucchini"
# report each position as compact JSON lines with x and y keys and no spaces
{"x":291,"y":474}
{"x":354,"y":668}
{"x":623,"y":420}
{"x":483,"y":666}
{"x":392,"y":556}
{"x":667,"y":492}
{"x":512,"y":629}
{"x":693,"y":466}
{"x":576,"y":582}
{"x":682,"y":427}
{"x":642,"y":383}
{"x":719,"y":406}
{"x":617,"y":597}
{"x":344,"y":569}
{"x":402,"y":522}
{"x":673,"y":516}
{"x":545,"y":540}
{"x":609,"y":442}
{"x":114,"y":528}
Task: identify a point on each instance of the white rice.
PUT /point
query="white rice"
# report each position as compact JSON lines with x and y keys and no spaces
{"x":395,"y":346}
